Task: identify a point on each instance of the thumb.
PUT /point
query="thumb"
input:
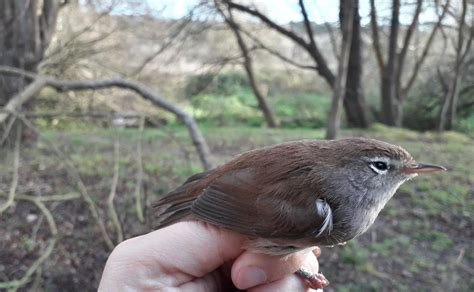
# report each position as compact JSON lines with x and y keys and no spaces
{"x":251,"y":269}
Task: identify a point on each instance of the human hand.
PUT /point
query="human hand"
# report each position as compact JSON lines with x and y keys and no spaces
{"x":196,"y":256}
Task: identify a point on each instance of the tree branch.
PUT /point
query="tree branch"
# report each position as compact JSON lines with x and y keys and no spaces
{"x":275,"y":53}
{"x":113,"y":191}
{"x":62,"y":85}
{"x":254,"y":12}
{"x":407,"y":39}
{"x":426,"y":49}
{"x":16,"y":166}
{"x":307,"y":25}
{"x":322,"y":67}
{"x":375,"y":35}
{"x":139,"y":185}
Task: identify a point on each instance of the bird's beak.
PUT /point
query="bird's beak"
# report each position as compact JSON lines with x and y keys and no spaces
{"x":422,"y":168}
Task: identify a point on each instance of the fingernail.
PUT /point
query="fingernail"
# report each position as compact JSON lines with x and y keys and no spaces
{"x":317,"y":251}
{"x":250,"y":277}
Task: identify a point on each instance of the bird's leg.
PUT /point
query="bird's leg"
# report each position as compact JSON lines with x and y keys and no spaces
{"x":314,"y":281}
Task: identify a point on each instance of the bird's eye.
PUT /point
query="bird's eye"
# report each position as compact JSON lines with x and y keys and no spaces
{"x":380,"y":165}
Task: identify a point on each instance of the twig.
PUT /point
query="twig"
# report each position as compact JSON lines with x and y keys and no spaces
{"x":15,"y":284}
{"x":8,"y":128}
{"x":113,"y":190}
{"x":139,"y":185}
{"x":65,"y":197}
{"x":261,"y":45}
{"x":72,"y":171}
{"x":16,"y":166}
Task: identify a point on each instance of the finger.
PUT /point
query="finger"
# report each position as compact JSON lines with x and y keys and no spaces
{"x":317,"y":251}
{"x":291,"y":282}
{"x":174,"y":255}
{"x":251,"y":269}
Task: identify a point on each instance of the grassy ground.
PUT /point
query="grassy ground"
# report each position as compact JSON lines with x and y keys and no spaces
{"x":421,"y":241}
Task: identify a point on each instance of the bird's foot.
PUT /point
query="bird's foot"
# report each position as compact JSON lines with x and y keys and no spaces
{"x":314,"y":281}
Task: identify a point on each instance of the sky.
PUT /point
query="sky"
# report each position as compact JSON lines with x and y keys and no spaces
{"x":284,"y":11}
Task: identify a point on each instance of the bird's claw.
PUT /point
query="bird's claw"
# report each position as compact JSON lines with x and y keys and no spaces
{"x":314,"y":281}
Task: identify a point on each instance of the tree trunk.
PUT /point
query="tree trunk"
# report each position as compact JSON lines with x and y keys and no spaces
{"x":448,"y":111}
{"x":26,"y":28}
{"x":390,"y":107}
{"x":334,"y":117}
{"x":355,"y":106}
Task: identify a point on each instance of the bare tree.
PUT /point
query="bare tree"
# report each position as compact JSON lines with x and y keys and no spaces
{"x":24,"y":37}
{"x":334,"y":118}
{"x":26,"y":29}
{"x":393,"y":91}
{"x":248,"y":66}
{"x":308,"y":43}
{"x":448,"y":111}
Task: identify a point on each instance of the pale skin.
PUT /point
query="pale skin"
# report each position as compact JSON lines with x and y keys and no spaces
{"x":195,"y":256}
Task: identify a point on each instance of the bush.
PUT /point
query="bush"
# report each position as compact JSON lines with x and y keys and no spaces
{"x":227,"y":99}
{"x":226,"y":83}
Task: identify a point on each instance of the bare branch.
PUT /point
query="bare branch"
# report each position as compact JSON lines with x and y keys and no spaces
{"x":62,"y":85}
{"x":307,"y":25}
{"x":113,"y":191}
{"x":168,"y":43}
{"x":7,"y":130}
{"x":56,"y":198}
{"x":248,"y":66}
{"x":406,"y":42}
{"x":270,"y":23}
{"x":139,"y":185}
{"x":426,"y":49}
{"x":20,"y":98}
{"x":275,"y":53}
{"x":16,"y":166}
{"x":322,"y":67}
{"x":375,"y":35}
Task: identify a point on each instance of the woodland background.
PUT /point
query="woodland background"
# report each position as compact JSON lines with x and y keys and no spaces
{"x":107,"y":104}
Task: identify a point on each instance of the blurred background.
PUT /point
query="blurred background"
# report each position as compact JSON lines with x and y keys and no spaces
{"x":105,"y":105}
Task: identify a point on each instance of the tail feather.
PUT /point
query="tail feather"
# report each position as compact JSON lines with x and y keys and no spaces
{"x":177,"y":204}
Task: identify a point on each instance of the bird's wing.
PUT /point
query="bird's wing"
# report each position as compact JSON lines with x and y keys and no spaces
{"x":246,"y":201}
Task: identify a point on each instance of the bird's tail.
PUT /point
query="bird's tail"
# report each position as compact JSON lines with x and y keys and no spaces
{"x":176,"y":205}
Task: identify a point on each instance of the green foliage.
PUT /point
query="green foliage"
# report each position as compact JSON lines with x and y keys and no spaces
{"x":226,"y":99}
{"x":226,"y":83}
{"x":466,"y":125}
{"x":302,"y":110}
{"x":422,"y":109}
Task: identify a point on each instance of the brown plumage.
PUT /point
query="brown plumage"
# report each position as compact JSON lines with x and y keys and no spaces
{"x":270,"y":193}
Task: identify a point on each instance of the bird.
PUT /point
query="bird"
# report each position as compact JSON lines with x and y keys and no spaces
{"x":296,"y":195}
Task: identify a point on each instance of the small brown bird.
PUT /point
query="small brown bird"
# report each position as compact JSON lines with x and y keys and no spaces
{"x":296,"y":195}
